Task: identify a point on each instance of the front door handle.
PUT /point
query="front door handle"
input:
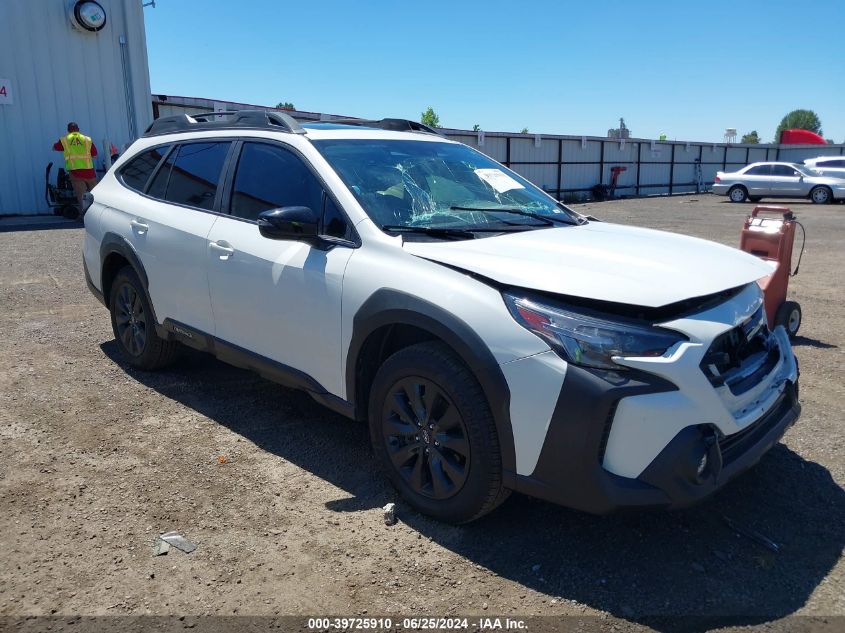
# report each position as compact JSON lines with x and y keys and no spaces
{"x":139,"y":227}
{"x":222,"y":248}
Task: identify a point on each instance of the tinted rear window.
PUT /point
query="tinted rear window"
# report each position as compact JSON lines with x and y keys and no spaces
{"x":193,"y":175}
{"x":136,"y":172}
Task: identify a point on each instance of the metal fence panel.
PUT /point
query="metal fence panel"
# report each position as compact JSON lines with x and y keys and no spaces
{"x":569,"y":166}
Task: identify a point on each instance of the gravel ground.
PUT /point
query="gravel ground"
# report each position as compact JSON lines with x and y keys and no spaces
{"x":96,"y":459}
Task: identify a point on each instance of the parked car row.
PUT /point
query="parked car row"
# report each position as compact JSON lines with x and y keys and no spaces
{"x":822,"y":180}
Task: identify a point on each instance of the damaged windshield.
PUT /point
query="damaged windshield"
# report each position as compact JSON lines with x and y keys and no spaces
{"x":439,"y":189}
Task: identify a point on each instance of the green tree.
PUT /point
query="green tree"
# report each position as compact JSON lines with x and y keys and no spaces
{"x":799,"y":120}
{"x":430,"y":118}
{"x":285,"y":105}
{"x":476,"y":128}
{"x":524,"y":130}
{"x":751,"y":137}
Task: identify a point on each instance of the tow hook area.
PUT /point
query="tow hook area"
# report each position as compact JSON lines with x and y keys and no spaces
{"x":702,"y":459}
{"x":710,"y":464}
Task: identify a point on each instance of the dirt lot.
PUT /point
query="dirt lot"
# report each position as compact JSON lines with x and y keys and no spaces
{"x":97,"y":459}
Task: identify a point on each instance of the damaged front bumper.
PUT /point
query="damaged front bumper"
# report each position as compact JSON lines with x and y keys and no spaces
{"x":665,"y":433}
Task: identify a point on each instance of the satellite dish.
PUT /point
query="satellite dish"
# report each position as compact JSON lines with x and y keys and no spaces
{"x":88,"y":15}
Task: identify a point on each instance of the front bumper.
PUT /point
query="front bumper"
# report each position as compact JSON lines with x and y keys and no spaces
{"x":570,"y":472}
{"x":638,"y":437}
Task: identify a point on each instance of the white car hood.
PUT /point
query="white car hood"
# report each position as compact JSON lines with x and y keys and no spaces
{"x":603,"y":261}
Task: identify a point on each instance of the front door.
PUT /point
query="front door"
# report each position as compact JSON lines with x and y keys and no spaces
{"x":279,"y":299}
{"x":788,"y":182}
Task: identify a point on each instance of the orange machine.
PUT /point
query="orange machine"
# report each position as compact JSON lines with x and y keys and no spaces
{"x":772,"y":239}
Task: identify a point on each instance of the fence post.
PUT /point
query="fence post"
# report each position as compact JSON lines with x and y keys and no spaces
{"x":601,"y":164}
{"x":508,"y":152}
{"x":559,"y":168}
{"x":639,"y":152}
{"x":672,"y":171}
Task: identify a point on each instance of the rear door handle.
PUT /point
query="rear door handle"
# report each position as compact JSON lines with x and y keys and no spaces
{"x":140,"y":227}
{"x":222,"y":248}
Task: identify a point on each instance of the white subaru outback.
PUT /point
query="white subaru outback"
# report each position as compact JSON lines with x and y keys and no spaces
{"x":492,"y":338}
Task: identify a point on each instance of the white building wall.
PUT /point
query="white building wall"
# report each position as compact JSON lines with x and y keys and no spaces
{"x":59,"y":74}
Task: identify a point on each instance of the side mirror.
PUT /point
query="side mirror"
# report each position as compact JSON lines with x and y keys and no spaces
{"x":288,"y":223}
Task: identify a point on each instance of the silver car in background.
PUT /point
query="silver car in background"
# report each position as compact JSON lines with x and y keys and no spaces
{"x":833,"y":166}
{"x":778,"y":180}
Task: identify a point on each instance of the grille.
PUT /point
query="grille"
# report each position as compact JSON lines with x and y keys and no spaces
{"x":742,"y":356}
{"x":732,"y":446}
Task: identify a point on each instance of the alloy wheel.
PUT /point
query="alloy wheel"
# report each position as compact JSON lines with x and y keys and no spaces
{"x":130,"y":319}
{"x":820,"y":195}
{"x":426,"y":438}
{"x":737,"y":195}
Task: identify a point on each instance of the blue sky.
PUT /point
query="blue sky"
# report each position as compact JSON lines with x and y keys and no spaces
{"x":689,"y":69}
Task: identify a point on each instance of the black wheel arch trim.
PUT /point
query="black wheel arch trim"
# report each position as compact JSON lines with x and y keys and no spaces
{"x":388,"y":307}
{"x":112,"y":243}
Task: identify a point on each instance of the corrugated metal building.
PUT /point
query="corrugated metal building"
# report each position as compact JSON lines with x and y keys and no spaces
{"x":59,"y":62}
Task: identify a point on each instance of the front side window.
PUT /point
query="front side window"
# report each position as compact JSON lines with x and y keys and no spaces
{"x":783,"y":170}
{"x":137,"y":171}
{"x":269,"y":177}
{"x":191,"y":174}
{"x":434,"y":186}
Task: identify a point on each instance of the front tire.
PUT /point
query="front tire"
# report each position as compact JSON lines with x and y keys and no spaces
{"x":434,"y":436}
{"x":133,"y":324}
{"x":821,"y":195}
{"x":738,"y":193}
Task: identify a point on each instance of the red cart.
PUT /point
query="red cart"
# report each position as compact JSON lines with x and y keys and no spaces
{"x":772,"y":239}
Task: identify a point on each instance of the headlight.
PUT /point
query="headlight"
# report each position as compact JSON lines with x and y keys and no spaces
{"x":589,"y":340}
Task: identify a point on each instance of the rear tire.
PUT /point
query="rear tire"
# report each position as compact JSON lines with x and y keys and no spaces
{"x":738,"y":193}
{"x":434,"y":436}
{"x":821,"y":195}
{"x":789,"y":316}
{"x":133,"y":324}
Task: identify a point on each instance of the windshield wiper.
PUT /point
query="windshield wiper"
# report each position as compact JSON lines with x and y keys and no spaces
{"x":429,"y":230}
{"x":528,"y":214}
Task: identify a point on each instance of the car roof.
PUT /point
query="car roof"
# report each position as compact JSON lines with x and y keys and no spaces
{"x":809,"y":161}
{"x":770,"y":162}
{"x":322,"y":131}
{"x":272,"y":123}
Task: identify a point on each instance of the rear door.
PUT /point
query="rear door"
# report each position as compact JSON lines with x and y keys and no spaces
{"x":758,"y":180}
{"x":280,"y":299}
{"x":170,"y":231}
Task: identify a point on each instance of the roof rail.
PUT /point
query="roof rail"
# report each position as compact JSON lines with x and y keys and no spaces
{"x":248,"y":119}
{"x":395,"y":125}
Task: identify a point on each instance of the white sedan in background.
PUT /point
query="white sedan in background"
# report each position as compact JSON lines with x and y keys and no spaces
{"x":778,"y":180}
{"x":833,"y":166}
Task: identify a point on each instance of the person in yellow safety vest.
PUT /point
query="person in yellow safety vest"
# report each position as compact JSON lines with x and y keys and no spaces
{"x":662,"y":136}
{"x":79,"y":153}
